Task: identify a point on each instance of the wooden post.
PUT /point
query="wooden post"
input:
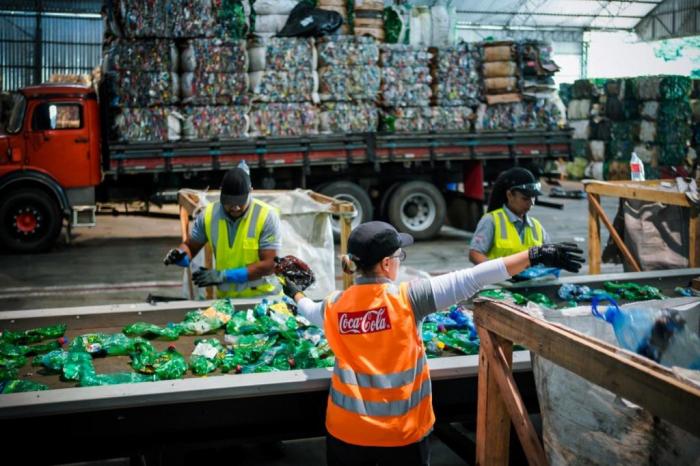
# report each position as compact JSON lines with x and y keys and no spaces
{"x":613,"y":233}
{"x":345,"y":226}
{"x":593,"y":236}
{"x":492,"y":419}
{"x":694,"y":238}
{"x":185,"y":233}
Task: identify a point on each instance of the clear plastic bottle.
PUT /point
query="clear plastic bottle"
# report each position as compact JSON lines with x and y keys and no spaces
{"x":636,"y":168}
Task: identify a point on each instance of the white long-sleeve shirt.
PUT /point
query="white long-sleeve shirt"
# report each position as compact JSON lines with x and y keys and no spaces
{"x":426,"y":295}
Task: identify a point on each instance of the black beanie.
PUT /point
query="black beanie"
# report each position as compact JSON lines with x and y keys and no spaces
{"x":236,"y":182}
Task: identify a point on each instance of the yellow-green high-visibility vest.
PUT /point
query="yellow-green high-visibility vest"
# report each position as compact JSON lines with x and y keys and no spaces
{"x":506,"y":240}
{"x":244,"y":250}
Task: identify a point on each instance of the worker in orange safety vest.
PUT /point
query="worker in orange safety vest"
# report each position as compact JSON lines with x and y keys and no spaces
{"x":380,"y":402}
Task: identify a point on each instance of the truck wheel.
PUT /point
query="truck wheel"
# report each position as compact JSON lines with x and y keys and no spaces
{"x":417,"y":208}
{"x":30,"y":221}
{"x":350,"y":192}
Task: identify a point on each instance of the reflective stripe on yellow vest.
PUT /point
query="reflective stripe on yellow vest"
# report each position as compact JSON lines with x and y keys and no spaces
{"x":506,"y":240}
{"x":244,"y":250}
{"x":380,"y":391}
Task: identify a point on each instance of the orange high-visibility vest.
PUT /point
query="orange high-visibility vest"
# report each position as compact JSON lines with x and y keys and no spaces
{"x":380,"y":391}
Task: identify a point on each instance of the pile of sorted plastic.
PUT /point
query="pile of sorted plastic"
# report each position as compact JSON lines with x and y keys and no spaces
{"x":151,"y":55}
{"x":283,"y":119}
{"x":457,"y":80}
{"x":143,"y":88}
{"x":406,"y":77}
{"x":541,"y":113}
{"x":422,"y":119}
{"x":452,"y":331}
{"x":215,"y":122}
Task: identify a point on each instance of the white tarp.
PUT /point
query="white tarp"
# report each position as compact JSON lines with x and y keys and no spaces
{"x":306,"y":233}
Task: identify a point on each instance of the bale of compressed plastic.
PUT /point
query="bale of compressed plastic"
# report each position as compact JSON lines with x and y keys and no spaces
{"x":579,"y":148}
{"x":139,"y":19}
{"x":232,"y":19}
{"x":423,"y":119}
{"x":457,"y":81}
{"x":141,"y":55}
{"x":191,"y":18}
{"x":672,"y":154}
{"x":295,"y":85}
{"x":283,"y":119}
{"x":648,"y":153}
{"x":619,"y":150}
{"x":282,"y":53}
{"x":625,"y":130}
{"x":353,"y":83}
{"x":347,"y":51}
{"x":343,"y":117}
{"x":579,"y":109}
{"x":648,"y":87}
{"x":675,"y":87}
{"x":647,"y":131}
{"x":614,"y":109}
{"x":132,"y":88}
{"x":600,"y":129}
{"x":201,"y":88}
{"x":597,"y":150}
{"x":409,"y":86}
{"x":215,"y":122}
{"x":581,"y":129}
{"x":156,"y":124}
{"x":650,"y":110}
{"x":583,"y":89}
{"x":673,"y":122}
{"x":214,"y":56}
{"x":404,"y":56}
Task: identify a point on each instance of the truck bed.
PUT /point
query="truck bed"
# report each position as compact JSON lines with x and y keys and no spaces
{"x":304,"y":151}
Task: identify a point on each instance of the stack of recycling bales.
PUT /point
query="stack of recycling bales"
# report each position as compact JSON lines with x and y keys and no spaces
{"x":214,"y":89}
{"x":270,"y":16}
{"x":406,"y":90}
{"x":368,"y":19}
{"x":695,"y":108}
{"x":343,"y":9}
{"x":349,"y":79}
{"x":509,"y":106}
{"x":141,"y":87}
{"x":674,"y":120}
{"x":456,"y":82}
{"x":284,"y":86}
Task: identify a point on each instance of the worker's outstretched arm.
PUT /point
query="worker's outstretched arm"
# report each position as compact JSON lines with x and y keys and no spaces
{"x":183,"y":254}
{"x":477,"y":257}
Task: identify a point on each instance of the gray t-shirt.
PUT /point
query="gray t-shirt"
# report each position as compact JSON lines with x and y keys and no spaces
{"x":269,"y":237}
{"x":482,"y":241}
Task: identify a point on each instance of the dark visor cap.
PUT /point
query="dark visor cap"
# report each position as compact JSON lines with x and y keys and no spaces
{"x":373,"y":241}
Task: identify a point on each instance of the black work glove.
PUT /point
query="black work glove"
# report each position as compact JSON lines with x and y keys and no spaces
{"x":177,"y":257}
{"x":565,"y":256}
{"x":289,"y":287}
{"x":206,"y":277}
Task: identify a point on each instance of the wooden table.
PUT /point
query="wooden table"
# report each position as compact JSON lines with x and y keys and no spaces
{"x":189,"y":202}
{"x":650,"y":191}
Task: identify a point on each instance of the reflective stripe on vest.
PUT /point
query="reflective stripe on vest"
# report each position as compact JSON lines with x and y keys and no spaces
{"x":243,"y":251}
{"x":380,"y":391}
{"x":506,"y":240}
{"x":396,"y":380}
{"x":381,"y":408}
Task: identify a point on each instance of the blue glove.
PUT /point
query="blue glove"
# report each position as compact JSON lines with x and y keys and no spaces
{"x":239,"y":275}
{"x":208,"y":277}
{"x":177,"y":257}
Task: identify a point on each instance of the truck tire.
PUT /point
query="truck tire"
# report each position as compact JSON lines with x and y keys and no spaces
{"x":350,"y":192}
{"x":417,"y":208}
{"x":30,"y":221}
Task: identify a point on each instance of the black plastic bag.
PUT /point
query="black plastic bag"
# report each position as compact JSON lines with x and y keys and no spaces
{"x":307,"y":21}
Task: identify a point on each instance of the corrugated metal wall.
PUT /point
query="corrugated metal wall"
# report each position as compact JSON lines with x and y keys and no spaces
{"x":70,"y":44}
{"x":673,"y":18}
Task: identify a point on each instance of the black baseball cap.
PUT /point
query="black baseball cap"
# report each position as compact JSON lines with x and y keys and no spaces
{"x":522,"y":179}
{"x":372,"y":241}
{"x":235,"y":187}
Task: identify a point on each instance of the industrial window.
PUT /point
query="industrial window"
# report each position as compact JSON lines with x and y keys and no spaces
{"x":52,"y":116}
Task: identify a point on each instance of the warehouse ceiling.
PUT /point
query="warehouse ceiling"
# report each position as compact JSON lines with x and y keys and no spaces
{"x":557,"y":14}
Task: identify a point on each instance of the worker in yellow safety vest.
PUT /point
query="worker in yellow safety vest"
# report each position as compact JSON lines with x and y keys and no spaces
{"x":380,"y":402}
{"x":507,"y":228}
{"x":244,"y":234}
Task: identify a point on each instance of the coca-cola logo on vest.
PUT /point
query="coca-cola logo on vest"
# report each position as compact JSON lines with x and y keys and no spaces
{"x":370,"y":321}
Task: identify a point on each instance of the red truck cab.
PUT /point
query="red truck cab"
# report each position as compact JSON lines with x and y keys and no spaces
{"x":49,"y":164}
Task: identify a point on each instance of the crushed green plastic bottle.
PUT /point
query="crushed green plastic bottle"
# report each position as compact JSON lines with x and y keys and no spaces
{"x":459,"y":341}
{"x":34,"y":335}
{"x":206,"y":356}
{"x":249,"y":348}
{"x":633,"y":291}
{"x":52,"y":362}
{"x":497,"y":293}
{"x":115,"y":344}
{"x":78,"y":365}
{"x":171,"y":332}
{"x":10,"y":350}
{"x":13,"y":362}
{"x":541,"y":299}
{"x":18,"y":386}
{"x":166,"y":365}
{"x":8,"y":373}
{"x":204,"y":322}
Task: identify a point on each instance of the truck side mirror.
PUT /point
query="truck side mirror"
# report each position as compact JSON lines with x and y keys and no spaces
{"x":16,"y":155}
